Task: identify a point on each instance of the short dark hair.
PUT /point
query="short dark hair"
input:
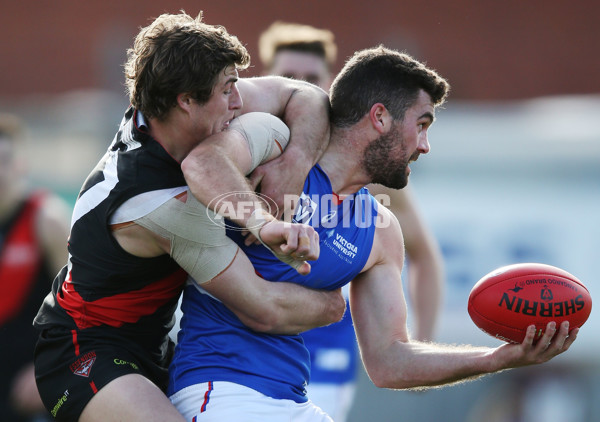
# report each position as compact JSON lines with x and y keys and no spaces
{"x":382,"y":75}
{"x":176,"y":54}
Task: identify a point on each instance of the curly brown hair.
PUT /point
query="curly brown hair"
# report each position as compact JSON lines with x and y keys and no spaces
{"x":176,"y":54}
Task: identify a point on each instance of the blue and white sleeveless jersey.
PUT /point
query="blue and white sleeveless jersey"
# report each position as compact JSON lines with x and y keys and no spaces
{"x":333,"y":351}
{"x":213,"y":344}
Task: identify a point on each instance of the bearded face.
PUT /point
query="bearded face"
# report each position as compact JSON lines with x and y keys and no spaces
{"x":386,"y":159}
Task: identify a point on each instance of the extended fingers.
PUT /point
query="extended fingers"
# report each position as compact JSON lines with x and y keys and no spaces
{"x":558,"y":343}
{"x":544,"y":341}
{"x":529,"y":336}
{"x":570,"y":338}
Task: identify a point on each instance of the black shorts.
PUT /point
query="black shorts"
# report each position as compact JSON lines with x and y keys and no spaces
{"x":72,"y":366}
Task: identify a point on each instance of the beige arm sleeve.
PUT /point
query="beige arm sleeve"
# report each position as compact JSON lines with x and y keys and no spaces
{"x":197,"y":235}
{"x":267,"y":135}
{"x":198,"y":241}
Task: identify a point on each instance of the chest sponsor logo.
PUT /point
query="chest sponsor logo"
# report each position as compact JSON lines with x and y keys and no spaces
{"x":344,"y":248}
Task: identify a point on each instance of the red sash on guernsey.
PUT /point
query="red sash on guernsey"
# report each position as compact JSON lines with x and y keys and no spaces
{"x":122,"y":308}
{"x":20,"y":259}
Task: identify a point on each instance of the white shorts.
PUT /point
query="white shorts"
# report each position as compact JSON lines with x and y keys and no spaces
{"x":334,"y":399}
{"x":220,"y":401}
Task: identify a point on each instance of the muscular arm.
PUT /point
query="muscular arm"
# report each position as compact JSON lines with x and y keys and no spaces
{"x":305,"y":109}
{"x":393,"y":360}
{"x":218,"y":165}
{"x":425,"y":263}
{"x":183,"y":228}
{"x":227,"y":155}
{"x":275,"y":308}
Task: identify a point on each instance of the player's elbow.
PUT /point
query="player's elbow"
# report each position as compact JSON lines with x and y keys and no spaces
{"x":262,"y":324}
{"x":389,"y":378}
{"x":278,"y":316}
{"x":336,"y":309}
{"x":271,"y":318}
{"x":390,"y":374}
{"x":331,"y":309}
{"x":193,"y":162}
{"x":380,"y":375}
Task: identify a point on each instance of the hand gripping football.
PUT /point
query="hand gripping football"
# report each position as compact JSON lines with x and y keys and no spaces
{"x":509,"y":299}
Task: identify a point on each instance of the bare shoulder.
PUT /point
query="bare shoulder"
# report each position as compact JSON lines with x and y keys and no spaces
{"x":140,"y":241}
{"x":388,"y":243}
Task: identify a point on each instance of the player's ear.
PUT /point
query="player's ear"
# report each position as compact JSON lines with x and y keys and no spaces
{"x":380,"y":118}
{"x":184,"y":100}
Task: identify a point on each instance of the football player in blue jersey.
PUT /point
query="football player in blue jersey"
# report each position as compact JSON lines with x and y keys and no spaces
{"x":307,"y":53}
{"x":103,"y":349}
{"x":383,"y":103}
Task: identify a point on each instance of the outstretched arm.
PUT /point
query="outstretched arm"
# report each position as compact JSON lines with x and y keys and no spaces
{"x":393,"y":360}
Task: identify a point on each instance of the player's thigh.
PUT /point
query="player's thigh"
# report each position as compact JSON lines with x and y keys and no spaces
{"x":130,"y":398}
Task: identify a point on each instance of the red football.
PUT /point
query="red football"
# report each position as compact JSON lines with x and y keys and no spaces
{"x":509,"y":299}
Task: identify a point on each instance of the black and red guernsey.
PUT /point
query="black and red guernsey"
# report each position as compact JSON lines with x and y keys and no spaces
{"x":25,"y":277}
{"x":102,"y":284}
